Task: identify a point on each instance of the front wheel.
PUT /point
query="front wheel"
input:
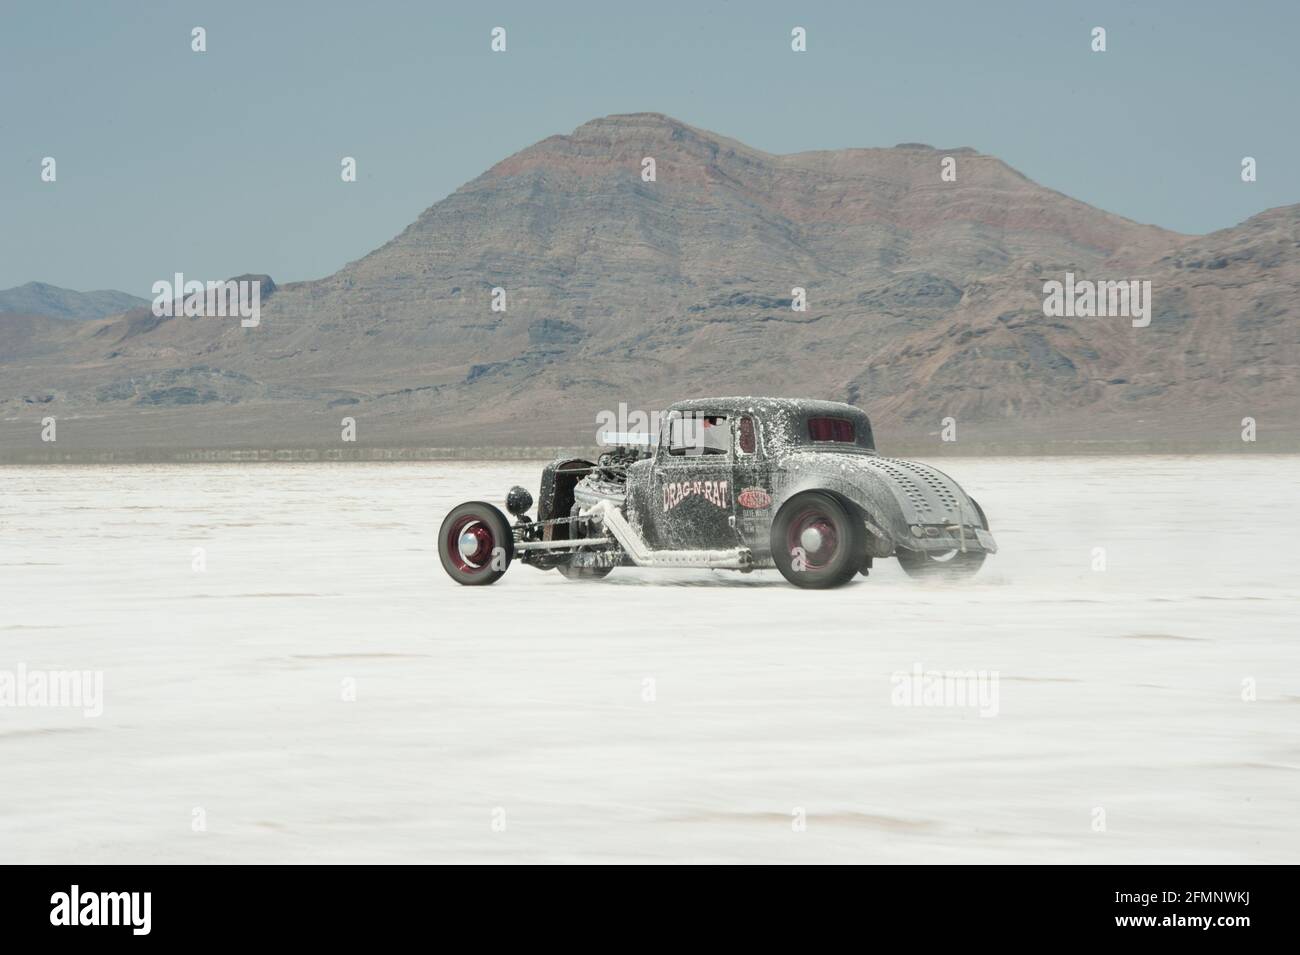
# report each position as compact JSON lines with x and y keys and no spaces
{"x":816,"y":541}
{"x":949,"y":565}
{"x":475,"y":544}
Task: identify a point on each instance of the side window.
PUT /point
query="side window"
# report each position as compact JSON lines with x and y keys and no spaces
{"x":698,"y":434}
{"x":745,"y":439}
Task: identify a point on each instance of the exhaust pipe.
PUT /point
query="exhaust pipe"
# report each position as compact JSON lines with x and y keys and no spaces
{"x":606,"y":514}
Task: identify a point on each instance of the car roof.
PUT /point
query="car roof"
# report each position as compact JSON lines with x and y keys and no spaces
{"x":765,"y":406}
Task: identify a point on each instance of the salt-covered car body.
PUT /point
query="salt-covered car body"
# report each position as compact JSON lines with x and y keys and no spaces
{"x":739,"y":483}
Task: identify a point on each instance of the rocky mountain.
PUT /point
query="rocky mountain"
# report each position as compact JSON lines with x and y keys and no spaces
{"x":924,"y":301}
{"x":38,"y":298}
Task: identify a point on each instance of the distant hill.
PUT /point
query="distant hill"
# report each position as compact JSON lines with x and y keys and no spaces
{"x":925,"y":301}
{"x":38,"y":298}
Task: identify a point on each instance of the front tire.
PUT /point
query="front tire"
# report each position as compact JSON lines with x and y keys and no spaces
{"x":475,"y":544}
{"x":817,"y":542}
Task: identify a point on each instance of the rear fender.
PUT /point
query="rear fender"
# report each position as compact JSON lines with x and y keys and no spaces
{"x":892,"y":495}
{"x":925,"y":496}
{"x":875,"y":502}
{"x":869,"y":494}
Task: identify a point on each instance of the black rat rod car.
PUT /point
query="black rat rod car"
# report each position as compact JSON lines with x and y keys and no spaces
{"x":730,"y":483}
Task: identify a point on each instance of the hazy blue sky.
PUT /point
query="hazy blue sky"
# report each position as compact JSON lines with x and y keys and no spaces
{"x":226,"y":162}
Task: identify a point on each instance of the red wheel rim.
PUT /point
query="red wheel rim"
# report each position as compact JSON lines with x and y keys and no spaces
{"x":470,"y":543}
{"x":820,"y":546}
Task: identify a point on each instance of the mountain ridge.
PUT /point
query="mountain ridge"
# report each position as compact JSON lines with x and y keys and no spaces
{"x":41,"y":298}
{"x":924,"y":302}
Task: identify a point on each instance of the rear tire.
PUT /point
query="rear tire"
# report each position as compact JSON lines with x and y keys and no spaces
{"x":475,"y":544}
{"x":953,"y":565}
{"x":816,"y":541}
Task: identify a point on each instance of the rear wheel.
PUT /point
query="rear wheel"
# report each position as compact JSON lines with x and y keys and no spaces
{"x":475,"y":544}
{"x":945,"y":565}
{"x":816,"y":541}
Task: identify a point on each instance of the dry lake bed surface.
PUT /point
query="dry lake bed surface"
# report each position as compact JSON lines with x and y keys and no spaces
{"x":311,"y":687}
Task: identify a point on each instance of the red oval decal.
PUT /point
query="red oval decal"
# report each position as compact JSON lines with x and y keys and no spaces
{"x":754,"y":498}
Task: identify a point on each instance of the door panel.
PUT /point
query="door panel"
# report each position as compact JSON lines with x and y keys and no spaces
{"x":692,"y":497}
{"x":752,"y":492}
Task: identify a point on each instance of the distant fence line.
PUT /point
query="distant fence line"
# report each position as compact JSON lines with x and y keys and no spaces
{"x":51,"y":455}
{"x":276,"y":455}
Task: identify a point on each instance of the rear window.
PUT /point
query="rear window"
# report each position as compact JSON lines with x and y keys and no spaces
{"x":831,"y":429}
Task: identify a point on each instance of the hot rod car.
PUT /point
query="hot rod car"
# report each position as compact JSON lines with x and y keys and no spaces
{"x":730,"y":483}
